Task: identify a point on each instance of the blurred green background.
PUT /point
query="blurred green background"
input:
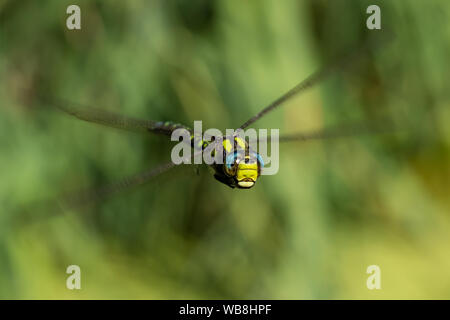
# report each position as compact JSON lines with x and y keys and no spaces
{"x":309,"y":232}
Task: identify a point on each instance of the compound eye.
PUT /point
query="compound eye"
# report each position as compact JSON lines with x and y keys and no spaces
{"x":256,"y":156}
{"x":259,"y":159}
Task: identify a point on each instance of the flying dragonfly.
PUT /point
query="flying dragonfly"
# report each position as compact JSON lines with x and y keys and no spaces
{"x":243,"y":165}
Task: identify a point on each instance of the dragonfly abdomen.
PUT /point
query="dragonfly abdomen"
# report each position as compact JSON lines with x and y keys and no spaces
{"x":167,"y":127}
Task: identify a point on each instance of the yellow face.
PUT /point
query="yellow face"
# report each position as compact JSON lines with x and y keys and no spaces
{"x":245,"y":172}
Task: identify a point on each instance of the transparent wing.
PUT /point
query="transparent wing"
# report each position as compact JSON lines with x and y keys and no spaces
{"x":342,"y":131}
{"x":98,"y":194}
{"x":315,"y":78}
{"x":92,"y":195}
{"x":114,"y":120}
{"x":80,"y":201}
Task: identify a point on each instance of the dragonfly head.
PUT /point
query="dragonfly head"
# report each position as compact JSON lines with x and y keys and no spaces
{"x":245,"y":169}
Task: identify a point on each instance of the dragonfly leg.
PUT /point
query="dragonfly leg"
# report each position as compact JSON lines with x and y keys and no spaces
{"x":225,"y":180}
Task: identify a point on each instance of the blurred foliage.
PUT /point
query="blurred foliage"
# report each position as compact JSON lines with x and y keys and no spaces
{"x":334,"y":208}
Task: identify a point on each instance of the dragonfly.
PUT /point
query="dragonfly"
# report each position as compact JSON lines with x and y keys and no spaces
{"x":243,"y":165}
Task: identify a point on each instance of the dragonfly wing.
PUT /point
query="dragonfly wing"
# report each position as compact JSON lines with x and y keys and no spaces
{"x":114,"y":120}
{"x":342,"y":131}
{"x":315,"y":78}
{"x":82,"y":200}
{"x":94,"y":195}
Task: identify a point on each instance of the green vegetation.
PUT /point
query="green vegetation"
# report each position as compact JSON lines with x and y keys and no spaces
{"x":334,"y":208}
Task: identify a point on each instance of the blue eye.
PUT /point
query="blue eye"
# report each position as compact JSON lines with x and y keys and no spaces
{"x":261,"y":161}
